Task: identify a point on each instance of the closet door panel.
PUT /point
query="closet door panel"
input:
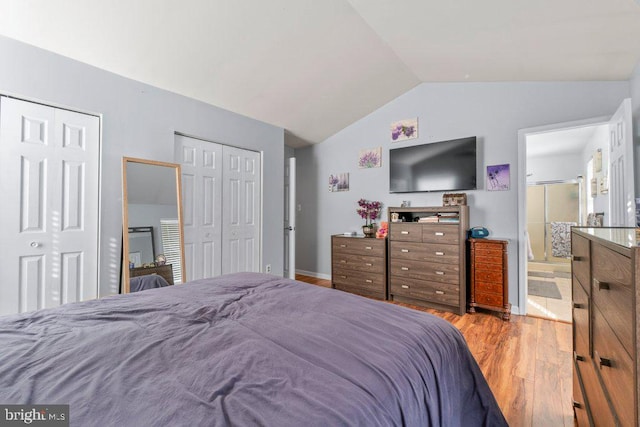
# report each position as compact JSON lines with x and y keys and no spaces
{"x":49,"y":168}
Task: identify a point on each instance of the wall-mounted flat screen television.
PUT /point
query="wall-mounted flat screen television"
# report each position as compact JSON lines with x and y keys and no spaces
{"x":439,"y":166}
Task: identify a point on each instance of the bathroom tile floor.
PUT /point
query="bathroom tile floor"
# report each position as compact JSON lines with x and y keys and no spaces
{"x":551,"y":308}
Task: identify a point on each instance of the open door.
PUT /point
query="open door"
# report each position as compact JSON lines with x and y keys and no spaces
{"x":621,"y":187}
{"x":290,"y":220}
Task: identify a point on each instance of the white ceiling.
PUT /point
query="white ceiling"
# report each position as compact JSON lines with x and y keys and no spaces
{"x":314,"y":67}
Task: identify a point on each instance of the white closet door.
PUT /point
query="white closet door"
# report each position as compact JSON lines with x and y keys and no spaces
{"x":241,"y":210}
{"x":201,"y":163}
{"x":49,"y":162}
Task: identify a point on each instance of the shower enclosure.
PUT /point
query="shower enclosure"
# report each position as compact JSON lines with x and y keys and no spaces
{"x":552,"y":208}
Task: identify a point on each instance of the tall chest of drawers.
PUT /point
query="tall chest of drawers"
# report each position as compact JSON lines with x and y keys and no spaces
{"x":605,"y":284}
{"x":427,"y":261}
{"x":359,"y":265}
{"x":489,"y":276}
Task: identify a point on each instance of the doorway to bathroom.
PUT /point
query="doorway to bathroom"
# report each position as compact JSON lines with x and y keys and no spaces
{"x":552,"y":209}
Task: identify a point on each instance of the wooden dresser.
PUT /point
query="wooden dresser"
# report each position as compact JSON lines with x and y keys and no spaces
{"x":359,"y":265}
{"x":166,"y":271}
{"x":427,"y":260}
{"x":489,"y":276}
{"x":606,"y":281}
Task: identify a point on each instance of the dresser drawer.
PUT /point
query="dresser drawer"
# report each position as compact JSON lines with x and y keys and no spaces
{"x":489,"y":287}
{"x":593,"y":392}
{"x":611,"y":292}
{"x":579,"y":402}
{"x":489,"y":299}
{"x":581,"y":317}
{"x":488,"y":276}
{"x":359,"y":263}
{"x":580,"y":259}
{"x":361,"y":290}
{"x":440,"y":233}
{"x":406,"y":232}
{"x":488,"y":252}
{"x":447,"y":273}
{"x":615,"y":367}
{"x":449,"y":254}
{"x":441,"y":293}
{"x":363,"y":279}
{"x":358,"y":246}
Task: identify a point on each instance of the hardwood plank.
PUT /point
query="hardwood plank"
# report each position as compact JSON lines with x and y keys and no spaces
{"x":526,"y":361}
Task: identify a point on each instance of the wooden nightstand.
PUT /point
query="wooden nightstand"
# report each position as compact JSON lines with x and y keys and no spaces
{"x":489,"y":276}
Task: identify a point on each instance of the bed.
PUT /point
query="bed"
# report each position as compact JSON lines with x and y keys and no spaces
{"x":244,"y":349}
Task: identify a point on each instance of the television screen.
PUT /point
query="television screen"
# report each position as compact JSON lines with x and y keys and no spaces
{"x":439,"y":166}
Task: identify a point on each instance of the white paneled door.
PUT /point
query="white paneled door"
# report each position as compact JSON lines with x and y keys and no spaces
{"x":221,"y":195}
{"x":201,"y":164}
{"x":241,"y":210}
{"x":621,"y":179}
{"x":49,"y":163}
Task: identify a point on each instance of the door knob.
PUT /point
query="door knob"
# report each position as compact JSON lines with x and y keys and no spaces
{"x":35,"y":244}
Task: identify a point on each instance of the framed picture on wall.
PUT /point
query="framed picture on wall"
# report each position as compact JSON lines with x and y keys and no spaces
{"x":498,"y":178}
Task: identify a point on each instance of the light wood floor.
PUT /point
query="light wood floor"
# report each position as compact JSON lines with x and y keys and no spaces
{"x":527,"y":363}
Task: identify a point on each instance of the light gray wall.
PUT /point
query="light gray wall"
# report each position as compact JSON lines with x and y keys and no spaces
{"x":139,"y":121}
{"x":494,"y":112}
{"x":635,"y":107}
{"x":554,"y":168}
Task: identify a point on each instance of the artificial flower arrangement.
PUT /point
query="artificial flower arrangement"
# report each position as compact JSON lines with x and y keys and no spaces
{"x":369,"y":211}
{"x":382,"y":230}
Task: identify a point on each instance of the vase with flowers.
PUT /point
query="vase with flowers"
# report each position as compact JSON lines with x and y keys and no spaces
{"x":369,"y":211}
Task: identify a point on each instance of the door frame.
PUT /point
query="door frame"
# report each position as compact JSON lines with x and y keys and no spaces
{"x":521,"y":308}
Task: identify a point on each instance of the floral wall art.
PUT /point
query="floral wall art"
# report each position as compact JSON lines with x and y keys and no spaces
{"x":404,"y":129}
{"x":339,"y":182}
{"x":498,"y":177}
{"x":370,"y":158}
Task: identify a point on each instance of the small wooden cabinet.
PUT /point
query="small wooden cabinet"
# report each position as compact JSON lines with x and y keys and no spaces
{"x":359,"y":265}
{"x":166,"y":271}
{"x":489,"y":276}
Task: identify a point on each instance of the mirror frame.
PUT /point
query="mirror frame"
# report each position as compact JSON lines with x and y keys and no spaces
{"x":125,"y":215}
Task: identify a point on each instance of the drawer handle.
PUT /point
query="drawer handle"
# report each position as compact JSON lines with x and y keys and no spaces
{"x":602,"y":286}
{"x":439,"y":253}
{"x":368,"y":281}
{"x":404,"y":286}
{"x":404,"y":232}
{"x":344,"y":277}
{"x":577,"y":405}
{"x":368,"y":248}
{"x":404,"y":268}
{"x":439,"y":233}
{"x":343,"y":246}
{"x":576,"y":258}
{"x":406,"y":251}
{"x":579,"y":358}
{"x":440,"y":273}
{"x":578,"y":305}
{"x":344,"y":261}
{"x":603,"y":362}
{"x":368,"y":264}
{"x":440,"y":292}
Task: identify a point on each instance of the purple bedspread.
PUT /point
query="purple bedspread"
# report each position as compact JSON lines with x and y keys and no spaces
{"x":244,"y":349}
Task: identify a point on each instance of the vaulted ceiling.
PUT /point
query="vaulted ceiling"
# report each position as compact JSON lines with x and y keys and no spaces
{"x":315,"y":66}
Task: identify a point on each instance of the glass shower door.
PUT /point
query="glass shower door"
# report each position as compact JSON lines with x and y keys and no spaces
{"x":551,"y":210}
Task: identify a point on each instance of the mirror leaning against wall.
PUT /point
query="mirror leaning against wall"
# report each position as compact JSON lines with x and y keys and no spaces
{"x":153,"y":243}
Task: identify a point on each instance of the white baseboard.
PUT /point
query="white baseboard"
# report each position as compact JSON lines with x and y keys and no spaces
{"x":314,"y":274}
